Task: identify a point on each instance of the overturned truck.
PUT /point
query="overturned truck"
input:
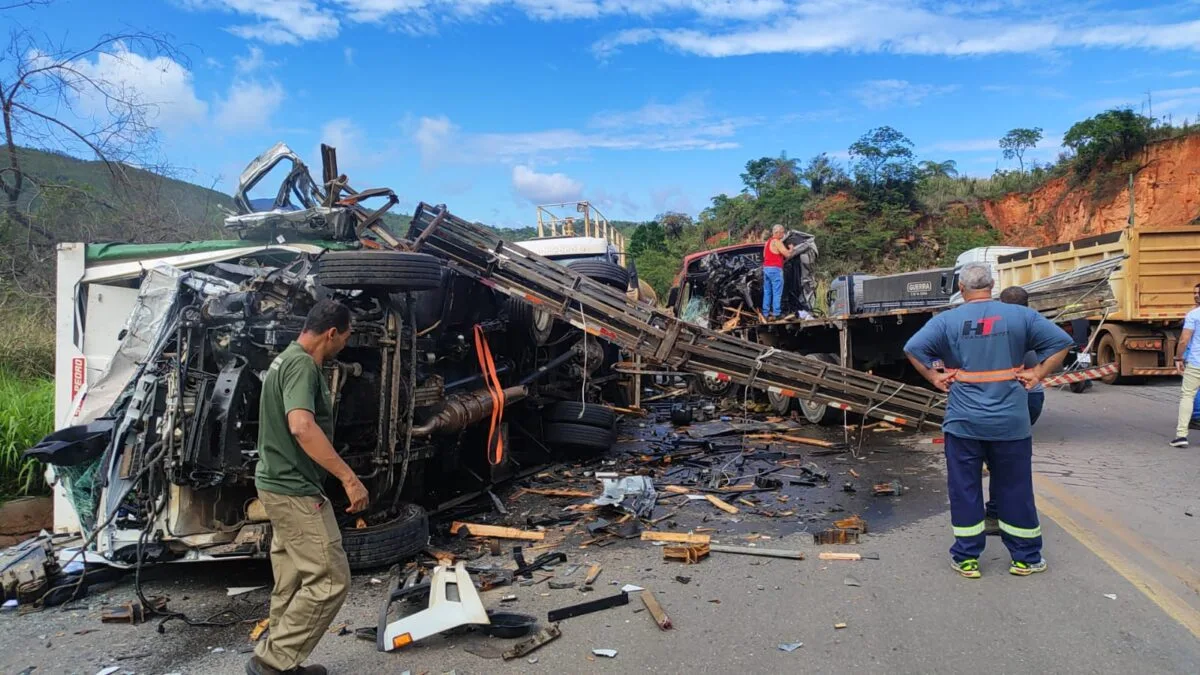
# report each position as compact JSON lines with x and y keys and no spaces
{"x":163,"y":348}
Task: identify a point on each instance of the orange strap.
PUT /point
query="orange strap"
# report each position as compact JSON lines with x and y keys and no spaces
{"x":983,"y":376}
{"x":495,"y":444}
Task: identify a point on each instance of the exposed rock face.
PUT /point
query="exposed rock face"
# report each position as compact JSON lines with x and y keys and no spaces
{"x":1166,"y":194}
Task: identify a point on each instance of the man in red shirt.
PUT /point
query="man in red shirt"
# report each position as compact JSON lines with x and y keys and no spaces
{"x":775,"y":252}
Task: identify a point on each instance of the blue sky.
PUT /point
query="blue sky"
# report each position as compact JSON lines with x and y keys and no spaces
{"x":641,"y":106}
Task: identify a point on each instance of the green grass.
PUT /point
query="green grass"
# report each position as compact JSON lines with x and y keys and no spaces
{"x":26,"y":415}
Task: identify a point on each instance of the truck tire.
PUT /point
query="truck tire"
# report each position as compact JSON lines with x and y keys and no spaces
{"x":580,"y":436}
{"x":387,"y":543}
{"x":780,"y":404}
{"x":1108,"y":351}
{"x":529,"y":324}
{"x":820,"y":413}
{"x":594,"y":414}
{"x":607,"y":273}
{"x":380,"y":270}
{"x":702,"y":385}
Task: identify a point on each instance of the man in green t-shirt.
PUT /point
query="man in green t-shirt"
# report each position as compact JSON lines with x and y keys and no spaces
{"x":295,"y":456}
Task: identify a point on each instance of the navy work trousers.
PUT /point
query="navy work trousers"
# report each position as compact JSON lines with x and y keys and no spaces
{"x":1011,"y":467}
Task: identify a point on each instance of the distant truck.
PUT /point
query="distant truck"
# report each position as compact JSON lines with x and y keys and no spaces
{"x":989,"y":255}
{"x":1153,"y":289}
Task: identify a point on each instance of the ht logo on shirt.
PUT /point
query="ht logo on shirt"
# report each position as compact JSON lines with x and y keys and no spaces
{"x":981,"y":328}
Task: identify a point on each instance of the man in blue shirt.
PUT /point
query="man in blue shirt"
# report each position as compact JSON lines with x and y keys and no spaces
{"x":976,"y":353}
{"x":1187,"y":362}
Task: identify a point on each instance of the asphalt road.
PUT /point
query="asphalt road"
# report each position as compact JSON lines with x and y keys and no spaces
{"x":1113,"y":497}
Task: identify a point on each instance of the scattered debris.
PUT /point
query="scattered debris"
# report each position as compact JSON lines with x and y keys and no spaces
{"x":606,"y":653}
{"x":1111,"y":596}
{"x":477,"y":530}
{"x":790,"y":646}
{"x":767,"y":552}
{"x":854,"y":523}
{"x":442,"y":614}
{"x":132,"y":612}
{"x":545,"y":492}
{"x":545,"y":636}
{"x":630,"y":588}
{"x":889,"y":488}
{"x":851,"y":581}
{"x":259,"y":629}
{"x":839,"y":626}
{"x":832,"y":555}
{"x":690,"y":554}
{"x":656,"y":610}
{"x":721,"y":504}
{"x":682,"y":579}
{"x":509,"y":598}
{"x":676,"y":537}
{"x":835,"y":536}
{"x":632,"y":494}
{"x":234,"y":591}
{"x":556,"y":615}
{"x":509,"y":625}
{"x":592,"y":575}
{"x":562,"y":585}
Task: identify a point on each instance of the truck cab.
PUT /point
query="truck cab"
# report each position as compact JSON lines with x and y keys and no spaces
{"x":990,"y":255}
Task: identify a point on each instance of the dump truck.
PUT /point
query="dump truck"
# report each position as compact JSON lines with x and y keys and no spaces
{"x":1152,"y":289}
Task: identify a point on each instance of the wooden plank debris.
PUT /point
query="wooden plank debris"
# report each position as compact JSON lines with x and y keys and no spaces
{"x":656,"y":610}
{"x":477,"y":530}
{"x":676,"y":537}
{"x":689,"y":553}
{"x":721,"y":504}
{"x":555,"y":492}
{"x":765,"y":552}
{"x":593,"y":573}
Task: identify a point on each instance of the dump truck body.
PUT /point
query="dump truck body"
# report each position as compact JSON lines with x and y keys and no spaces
{"x":1152,"y":288}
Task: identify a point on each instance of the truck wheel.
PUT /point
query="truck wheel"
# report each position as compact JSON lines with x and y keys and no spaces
{"x":780,"y":404}
{"x":387,"y":543}
{"x":580,"y":436}
{"x":607,"y":273}
{"x":702,"y":385}
{"x":528,"y":323}
{"x":820,"y":413}
{"x":382,"y":270}
{"x":594,"y":414}
{"x":1108,"y":352}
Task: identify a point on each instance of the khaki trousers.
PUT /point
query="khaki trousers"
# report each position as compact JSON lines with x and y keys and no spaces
{"x":311,"y":577}
{"x":1187,"y":399}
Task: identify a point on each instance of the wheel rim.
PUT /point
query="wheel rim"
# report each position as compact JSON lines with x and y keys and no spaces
{"x":779,"y":403}
{"x":813,"y":411}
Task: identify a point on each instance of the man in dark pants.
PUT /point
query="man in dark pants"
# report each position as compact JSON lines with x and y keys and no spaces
{"x":983,"y":344}
{"x":1015,"y":295}
{"x":295,"y":456}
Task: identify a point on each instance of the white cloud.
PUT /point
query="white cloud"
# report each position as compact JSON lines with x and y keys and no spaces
{"x":160,"y":83}
{"x":355,"y":153}
{"x":279,"y":21}
{"x":544,"y":188}
{"x":665,"y":127}
{"x":213,"y":63}
{"x":248,"y":106}
{"x":252,"y":62}
{"x":348,"y":56}
{"x":915,"y":28}
{"x":891,"y":93}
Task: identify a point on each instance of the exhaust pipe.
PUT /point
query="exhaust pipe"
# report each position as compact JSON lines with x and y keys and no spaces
{"x":463,"y":410}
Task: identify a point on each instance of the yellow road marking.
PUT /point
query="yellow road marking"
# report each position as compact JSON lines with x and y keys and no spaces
{"x":1175,"y":607}
{"x":1182,"y":571}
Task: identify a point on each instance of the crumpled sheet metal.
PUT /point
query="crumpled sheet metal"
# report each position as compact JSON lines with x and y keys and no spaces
{"x":632,"y":494}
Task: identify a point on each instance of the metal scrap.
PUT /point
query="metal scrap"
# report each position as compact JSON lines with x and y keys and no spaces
{"x":632,"y":494}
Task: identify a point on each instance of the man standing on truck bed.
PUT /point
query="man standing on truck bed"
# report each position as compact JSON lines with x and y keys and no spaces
{"x":295,"y":455}
{"x":775,"y":252}
{"x":1187,"y":362}
{"x":983,"y":344}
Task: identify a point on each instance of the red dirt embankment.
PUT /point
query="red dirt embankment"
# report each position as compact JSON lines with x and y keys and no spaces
{"x":1166,"y":194}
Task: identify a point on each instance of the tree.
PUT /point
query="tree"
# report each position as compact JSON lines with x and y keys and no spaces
{"x":1113,"y":135}
{"x":822,"y":174}
{"x":50,"y":98}
{"x":884,"y":167}
{"x":674,"y":222}
{"x":646,"y":237}
{"x":755,"y":175}
{"x":767,"y":173}
{"x":1017,"y":141}
{"x":946,"y":169}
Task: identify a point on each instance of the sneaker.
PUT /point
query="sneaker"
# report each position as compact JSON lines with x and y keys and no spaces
{"x":968,"y":568}
{"x":1180,"y":442}
{"x":991,"y":527}
{"x":1025,"y":569}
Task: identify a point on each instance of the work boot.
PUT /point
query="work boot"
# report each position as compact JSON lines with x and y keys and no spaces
{"x":968,"y":568}
{"x":311,"y":669}
{"x":1179,"y":442}
{"x":1025,"y":569}
{"x":991,"y":527}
